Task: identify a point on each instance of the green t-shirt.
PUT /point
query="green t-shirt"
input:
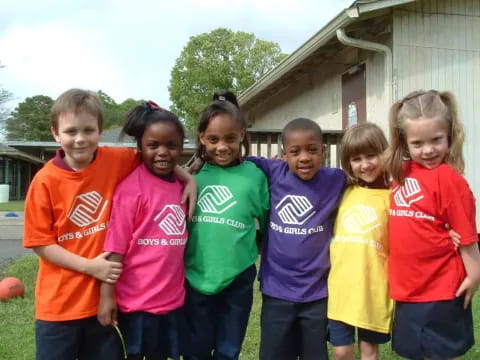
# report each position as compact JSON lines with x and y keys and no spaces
{"x":222,"y":232}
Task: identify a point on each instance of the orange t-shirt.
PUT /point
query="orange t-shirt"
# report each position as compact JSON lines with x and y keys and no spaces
{"x":71,"y":209}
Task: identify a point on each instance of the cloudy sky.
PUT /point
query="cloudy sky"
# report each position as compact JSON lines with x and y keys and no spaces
{"x":127,"y":48}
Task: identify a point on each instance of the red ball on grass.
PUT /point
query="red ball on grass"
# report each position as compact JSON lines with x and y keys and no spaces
{"x":11,"y":287}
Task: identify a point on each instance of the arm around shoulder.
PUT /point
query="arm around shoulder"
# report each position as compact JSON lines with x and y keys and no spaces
{"x":263,"y":163}
{"x":263,"y":199}
{"x":190,"y":191}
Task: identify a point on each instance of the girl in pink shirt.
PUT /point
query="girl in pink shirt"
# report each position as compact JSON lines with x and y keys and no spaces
{"x":147,"y":232}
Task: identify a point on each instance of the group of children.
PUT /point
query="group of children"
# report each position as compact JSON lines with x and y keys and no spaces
{"x":337,"y":247}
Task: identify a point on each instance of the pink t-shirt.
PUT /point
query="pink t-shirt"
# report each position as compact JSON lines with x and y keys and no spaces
{"x":148,"y":227}
{"x":424,"y":265}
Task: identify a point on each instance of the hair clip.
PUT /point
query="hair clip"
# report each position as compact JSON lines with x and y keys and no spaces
{"x":151,"y":106}
{"x":222,"y":98}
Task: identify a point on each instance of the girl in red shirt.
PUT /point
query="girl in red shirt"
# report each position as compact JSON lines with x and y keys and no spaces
{"x":431,"y":280}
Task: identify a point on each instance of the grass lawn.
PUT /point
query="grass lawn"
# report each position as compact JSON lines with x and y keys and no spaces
{"x":12,"y":206}
{"x":17,"y":324}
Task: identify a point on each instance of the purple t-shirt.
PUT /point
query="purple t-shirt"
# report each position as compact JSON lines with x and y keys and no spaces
{"x":295,"y":256}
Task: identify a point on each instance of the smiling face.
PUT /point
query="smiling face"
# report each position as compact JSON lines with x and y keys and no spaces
{"x":78,"y":135}
{"x":427,"y":141}
{"x":161,"y":148}
{"x":222,"y":140}
{"x":303,"y":151}
{"x":366,"y":167}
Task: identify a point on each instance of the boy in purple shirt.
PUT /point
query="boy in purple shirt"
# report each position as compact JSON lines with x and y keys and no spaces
{"x":295,"y":260}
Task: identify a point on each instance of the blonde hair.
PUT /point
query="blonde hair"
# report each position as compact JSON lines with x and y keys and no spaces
{"x":428,"y":104}
{"x":77,"y":101}
{"x":360,"y":139}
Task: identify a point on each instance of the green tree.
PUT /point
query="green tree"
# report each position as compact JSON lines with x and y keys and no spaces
{"x":220,"y":59}
{"x":113,"y":113}
{"x":30,"y":120}
{"x":5,"y":96}
{"x":128,"y":104}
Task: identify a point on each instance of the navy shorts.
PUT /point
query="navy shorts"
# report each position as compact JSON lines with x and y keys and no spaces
{"x":150,"y":335}
{"x":217,"y":323}
{"x":439,"y":329}
{"x":342,"y":334}
{"x":83,"y":339}
{"x":290,"y":330}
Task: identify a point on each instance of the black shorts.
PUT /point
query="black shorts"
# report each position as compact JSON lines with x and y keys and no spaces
{"x":290,"y":330}
{"x":342,"y":334}
{"x":155,"y":336}
{"x":76,"y":339}
{"x":438,"y":329}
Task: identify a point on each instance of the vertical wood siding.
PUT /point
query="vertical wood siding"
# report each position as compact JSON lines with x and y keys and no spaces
{"x":437,"y":46}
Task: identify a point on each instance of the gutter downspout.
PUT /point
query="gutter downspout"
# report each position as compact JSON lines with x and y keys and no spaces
{"x":369,"y":45}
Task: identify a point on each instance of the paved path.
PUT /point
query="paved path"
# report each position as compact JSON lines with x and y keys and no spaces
{"x":11,"y":229}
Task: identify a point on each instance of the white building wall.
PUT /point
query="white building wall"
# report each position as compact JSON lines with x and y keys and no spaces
{"x":377,"y":101}
{"x":315,"y":95}
{"x":318,"y":94}
{"x":437,"y":46}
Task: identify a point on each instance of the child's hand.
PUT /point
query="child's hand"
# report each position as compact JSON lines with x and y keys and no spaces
{"x":107,"y":311}
{"x":190,"y":194}
{"x":471,"y":261}
{"x":195,"y":166}
{"x":469,"y":287}
{"x":103,"y":269}
{"x":456,"y":238}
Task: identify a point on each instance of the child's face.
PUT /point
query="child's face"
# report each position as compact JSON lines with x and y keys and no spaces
{"x":303,"y":151}
{"x":161,"y":148}
{"x":427,"y":141}
{"x":78,"y":135}
{"x":222,"y":140}
{"x":366,"y":167}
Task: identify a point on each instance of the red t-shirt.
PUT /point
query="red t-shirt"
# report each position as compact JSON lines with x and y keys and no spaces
{"x":424,"y":265}
{"x":71,"y":209}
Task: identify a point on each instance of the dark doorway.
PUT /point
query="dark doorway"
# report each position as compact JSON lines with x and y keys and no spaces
{"x":354,"y":94}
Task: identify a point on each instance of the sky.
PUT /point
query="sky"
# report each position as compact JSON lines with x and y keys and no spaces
{"x":128,"y":48}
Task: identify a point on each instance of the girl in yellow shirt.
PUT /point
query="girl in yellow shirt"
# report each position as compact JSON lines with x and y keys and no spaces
{"x":358,"y":284}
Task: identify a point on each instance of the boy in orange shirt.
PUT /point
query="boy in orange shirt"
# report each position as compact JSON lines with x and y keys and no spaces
{"x":66,"y":213}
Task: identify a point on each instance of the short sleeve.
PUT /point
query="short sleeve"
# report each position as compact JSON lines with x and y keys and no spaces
{"x":263,"y":202}
{"x":457,"y":205}
{"x":122,"y":220}
{"x":38,"y":229}
{"x":264,"y":164}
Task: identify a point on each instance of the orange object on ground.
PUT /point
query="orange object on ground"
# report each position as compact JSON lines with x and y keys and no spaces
{"x":11,"y":287}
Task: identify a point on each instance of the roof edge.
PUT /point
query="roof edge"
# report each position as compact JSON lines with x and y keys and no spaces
{"x":312,"y":44}
{"x":364,"y":6}
{"x":344,"y":18}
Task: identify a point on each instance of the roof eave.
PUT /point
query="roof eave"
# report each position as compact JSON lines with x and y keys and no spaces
{"x":368,"y":6}
{"x":303,"y":52}
{"x":346,"y":17}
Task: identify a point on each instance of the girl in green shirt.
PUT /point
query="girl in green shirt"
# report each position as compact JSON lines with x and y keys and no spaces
{"x":221,"y":251}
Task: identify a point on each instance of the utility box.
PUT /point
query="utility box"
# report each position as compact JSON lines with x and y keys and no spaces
{"x":4,"y":192}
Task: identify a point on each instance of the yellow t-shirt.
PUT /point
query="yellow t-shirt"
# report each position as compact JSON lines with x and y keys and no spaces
{"x":358,"y":283}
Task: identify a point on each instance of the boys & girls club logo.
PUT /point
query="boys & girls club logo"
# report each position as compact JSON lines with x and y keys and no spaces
{"x":87,"y":208}
{"x":215,"y":199}
{"x":360,"y":219}
{"x":171,"y":220}
{"x":294,"y":209}
{"x":408,"y":193}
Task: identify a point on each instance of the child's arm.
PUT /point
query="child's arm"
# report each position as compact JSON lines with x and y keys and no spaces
{"x":107,"y":307}
{"x":471,"y":260}
{"x":98,"y":267}
{"x":190,"y":190}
